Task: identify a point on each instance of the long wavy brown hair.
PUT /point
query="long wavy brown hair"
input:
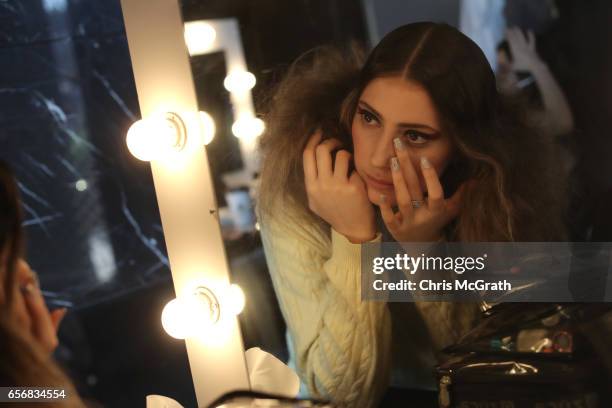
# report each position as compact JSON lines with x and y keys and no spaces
{"x":517,"y":192}
{"x":11,"y":235}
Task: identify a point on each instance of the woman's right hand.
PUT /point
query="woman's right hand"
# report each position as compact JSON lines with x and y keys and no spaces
{"x":523,"y":49}
{"x":339,"y":199}
{"x":31,"y":311}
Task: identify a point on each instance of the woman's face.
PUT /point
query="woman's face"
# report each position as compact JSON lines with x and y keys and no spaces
{"x":392,"y":107}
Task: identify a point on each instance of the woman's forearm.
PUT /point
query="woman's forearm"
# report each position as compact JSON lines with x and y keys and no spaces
{"x":342,"y":344}
{"x":558,"y":118}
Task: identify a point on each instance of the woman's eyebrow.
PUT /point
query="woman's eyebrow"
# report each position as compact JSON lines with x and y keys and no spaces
{"x":402,"y":124}
{"x":367,"y":106}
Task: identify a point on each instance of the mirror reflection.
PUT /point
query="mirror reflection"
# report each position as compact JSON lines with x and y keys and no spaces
{"x":363,"y":122}
{"x":482,"y":132}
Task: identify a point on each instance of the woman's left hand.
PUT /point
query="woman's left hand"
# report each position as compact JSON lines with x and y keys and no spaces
{"x":418,"y":219}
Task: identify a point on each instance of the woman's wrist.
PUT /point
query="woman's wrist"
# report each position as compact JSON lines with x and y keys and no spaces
{"x":357,"y":237}
{"x":537,"y":66}
{"x":360,"y":239}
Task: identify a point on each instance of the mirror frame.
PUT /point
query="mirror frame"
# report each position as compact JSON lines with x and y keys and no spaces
{"x":184,"y":190}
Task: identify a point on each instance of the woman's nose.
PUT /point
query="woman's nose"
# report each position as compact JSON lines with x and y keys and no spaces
{"x":383,"y":152}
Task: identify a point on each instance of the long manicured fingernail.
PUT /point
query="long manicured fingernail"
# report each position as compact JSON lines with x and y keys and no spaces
{"x":399,"y":145}
{"x":425,"y":163}
{"x":394,"y":164}
{"x":383,"y":198}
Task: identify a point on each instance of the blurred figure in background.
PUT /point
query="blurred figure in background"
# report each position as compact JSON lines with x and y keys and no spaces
{"x":521,"y":72}
{"x":27,"y":328}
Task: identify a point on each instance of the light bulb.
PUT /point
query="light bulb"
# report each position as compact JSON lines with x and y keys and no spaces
{"x":157,"y":137}
{"x":208,"y":127}
{"x":248,"y":128}
{"x":174,"y":320}
{"x":239,"y":81}
{"x":149,"y":139}
{"x":235,"y":299}
{"x":192,"y":315}
{"x":199,"y":37}
{"x":199,"y":128}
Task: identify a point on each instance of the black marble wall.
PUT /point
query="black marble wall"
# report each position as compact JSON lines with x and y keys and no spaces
{"x":67,"y":98}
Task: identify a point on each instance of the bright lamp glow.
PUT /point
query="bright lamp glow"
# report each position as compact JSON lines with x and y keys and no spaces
{"x":193,"y":315}
{"x":149,"y":139}
{"x":187,"y":317}
{"x":239,"y":81}
{"x":157,"y":137}
{"x":208,"y":127}
{"x":174,"y":321}
{"x":235,"y":299}
{"x":199,"y":37}
{"x":248,"y":128}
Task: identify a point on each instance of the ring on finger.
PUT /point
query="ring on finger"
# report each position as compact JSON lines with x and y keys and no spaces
{"x":417,"y":203}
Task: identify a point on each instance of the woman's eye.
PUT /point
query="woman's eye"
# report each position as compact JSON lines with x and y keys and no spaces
{"x":416,"y":137}
{"x":367,"y":116}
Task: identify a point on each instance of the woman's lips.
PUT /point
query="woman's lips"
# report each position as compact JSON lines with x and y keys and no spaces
{"x":383,"y":185}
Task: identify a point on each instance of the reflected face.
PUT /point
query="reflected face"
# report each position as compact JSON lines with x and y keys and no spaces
{"x":391,"y":107}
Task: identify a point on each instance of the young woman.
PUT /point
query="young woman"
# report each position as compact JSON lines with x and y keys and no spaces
{"x":413,"y":145}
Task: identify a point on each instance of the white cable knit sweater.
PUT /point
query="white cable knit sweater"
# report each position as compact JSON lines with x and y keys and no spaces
{"x":345,"y":350}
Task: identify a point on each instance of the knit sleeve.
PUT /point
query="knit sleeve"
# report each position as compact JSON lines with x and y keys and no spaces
{"x":342,"y":344}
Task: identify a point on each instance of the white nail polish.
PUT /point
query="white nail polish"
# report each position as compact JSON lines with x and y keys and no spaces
{"x":425,"y":163}
{"x":394,"y":164}
{"x":397,"y":142}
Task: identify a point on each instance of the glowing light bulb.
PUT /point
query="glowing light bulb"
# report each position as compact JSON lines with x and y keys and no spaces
{"x":239,"y":81}
{"x":208,"y":127}
{"x":174,"y":321}
{"x":199,"y":37}
{"x":248,"y":128}
{"x":234,"y":299}
{"x":193,"y":315}
{"x":158,"y":137}
{"x":149,"y":139}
